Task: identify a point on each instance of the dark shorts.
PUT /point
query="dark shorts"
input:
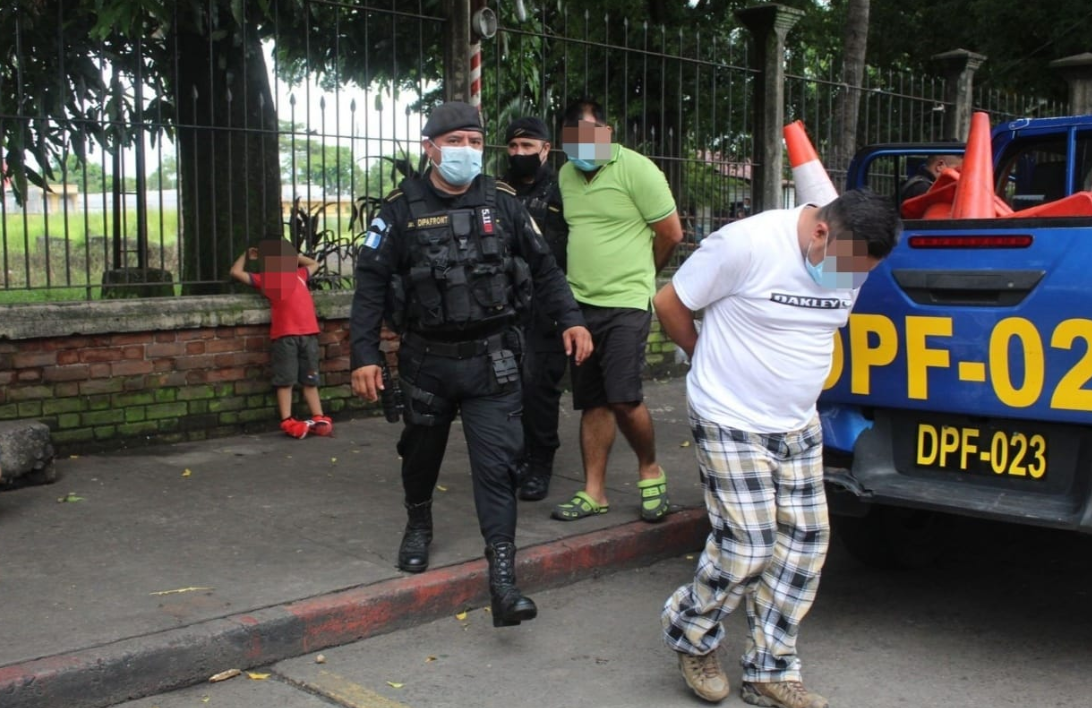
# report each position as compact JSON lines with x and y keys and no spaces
{"x":295,"y":360}
{"x":613,"y":372}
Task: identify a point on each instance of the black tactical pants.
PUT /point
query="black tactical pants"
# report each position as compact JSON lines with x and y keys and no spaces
{"x":437,"y":383}
{"x":543,"y":368}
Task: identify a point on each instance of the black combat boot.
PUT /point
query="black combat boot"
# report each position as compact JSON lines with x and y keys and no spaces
{"x":509,"y":605}
{"x":413,"y":553}
{"x":534,"y":482}
{"x":535,"y":486}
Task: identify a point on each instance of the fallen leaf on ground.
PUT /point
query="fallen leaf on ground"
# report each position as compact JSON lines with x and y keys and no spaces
{"x":70,"y":497}
{"x":186,"y":472}
{"x":179,"y":590}
{"x":333,"y":459}
{"x":461,"y":616}
{"x":430,"y":659}
{"x":684,"y":443}
{"x":441,"y":487}
{"x":690,"y":558}
{"x":256,"y":676}
{"x":224,"y":675}
{"x":73,"y":457}
{"x":393,"y":684}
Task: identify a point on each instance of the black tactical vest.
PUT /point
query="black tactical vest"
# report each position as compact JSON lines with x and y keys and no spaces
{"x":462,"y":272}
{"x":543,"y":203}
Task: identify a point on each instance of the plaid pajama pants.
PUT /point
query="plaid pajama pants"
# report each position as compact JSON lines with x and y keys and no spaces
{"x":765,"y":498}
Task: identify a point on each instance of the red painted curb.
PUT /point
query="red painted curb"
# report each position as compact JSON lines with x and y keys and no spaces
{"x":145,"y":666}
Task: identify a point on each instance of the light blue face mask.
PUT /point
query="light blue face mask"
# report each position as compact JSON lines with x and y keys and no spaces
{"x":587,"y":157}
{"x":826,"y":274}
{"x":459,"y":165}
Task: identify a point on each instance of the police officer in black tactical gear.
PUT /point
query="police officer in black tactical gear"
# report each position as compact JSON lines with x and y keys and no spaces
{"x":535,"y":183}
{"x":451,"y":261}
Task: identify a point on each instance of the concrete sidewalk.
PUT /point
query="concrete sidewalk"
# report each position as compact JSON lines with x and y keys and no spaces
{"x":147,"y":570}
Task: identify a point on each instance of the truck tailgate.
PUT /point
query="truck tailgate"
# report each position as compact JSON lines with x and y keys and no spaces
{"x":963,"y":379}
{"x":987,"y":317}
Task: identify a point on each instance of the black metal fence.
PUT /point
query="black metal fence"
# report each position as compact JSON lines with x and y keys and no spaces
{"x":175,"y":154}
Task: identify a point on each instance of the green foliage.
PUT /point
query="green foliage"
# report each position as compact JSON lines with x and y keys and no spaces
{"x":89,"y":175}
{"x":304,"y":161}
{"x":370,"y":47}
{"x":913,"y":31}
{"x":165,"y":175}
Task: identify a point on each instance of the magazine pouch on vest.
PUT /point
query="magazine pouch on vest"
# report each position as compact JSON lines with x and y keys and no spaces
{"x":461,"y":271}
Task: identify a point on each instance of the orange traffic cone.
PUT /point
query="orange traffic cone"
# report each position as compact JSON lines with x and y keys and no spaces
{"x":812,"y":182}
{"x":1079,"y":204}
{"x":974,"y":189}
{"x":938,"y":210}
{"x":941,"y":191}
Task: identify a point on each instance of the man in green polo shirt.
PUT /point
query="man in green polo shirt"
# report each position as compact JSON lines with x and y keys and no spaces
{"x":623,"y":227}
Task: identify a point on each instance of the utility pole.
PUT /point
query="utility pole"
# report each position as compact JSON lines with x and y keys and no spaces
{"x":456,"y":53}
{"x":469,"y":22}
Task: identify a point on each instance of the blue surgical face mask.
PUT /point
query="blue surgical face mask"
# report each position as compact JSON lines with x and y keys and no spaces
{"x":826,"y":274}
{"x":815,"y":271}
{"x":459,"y":165}
{"x":587,"y":157}
{"x":583,"y":165}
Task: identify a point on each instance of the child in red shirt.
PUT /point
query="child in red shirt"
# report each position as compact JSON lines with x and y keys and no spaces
{"x":293,"y":332}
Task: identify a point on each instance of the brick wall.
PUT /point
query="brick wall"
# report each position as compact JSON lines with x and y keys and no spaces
{"x":107,"y":375}
{"x":170,"y":373}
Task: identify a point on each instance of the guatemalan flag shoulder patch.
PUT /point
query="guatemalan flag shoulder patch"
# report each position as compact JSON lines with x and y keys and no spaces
{"x":376,"y":230}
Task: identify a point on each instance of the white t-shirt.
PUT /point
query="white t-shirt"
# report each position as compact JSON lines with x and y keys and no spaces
{"x":767,"y":334}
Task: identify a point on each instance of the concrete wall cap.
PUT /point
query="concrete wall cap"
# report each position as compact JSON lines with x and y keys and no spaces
{"x":64,"y":319}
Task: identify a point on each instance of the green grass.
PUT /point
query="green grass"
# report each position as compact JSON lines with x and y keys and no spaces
{"x":70,"y":261}
{"x":20,"y":231}
{"x":14,"y":297}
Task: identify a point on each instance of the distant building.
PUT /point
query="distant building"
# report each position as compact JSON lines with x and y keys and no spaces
{"x":55,"y":201}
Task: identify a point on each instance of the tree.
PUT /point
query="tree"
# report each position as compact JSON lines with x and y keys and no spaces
{"x":854,"y":46}
{"x":77,"y":72}
{"x":329,"y":167}
{"x":1017,"y":59}
{"x":89,"y":176}
{"x":103,"y":69}
{"x":166,"y":175}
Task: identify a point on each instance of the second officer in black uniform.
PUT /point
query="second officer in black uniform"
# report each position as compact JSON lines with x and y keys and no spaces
{"x":535,"y":183}
{"x":451,"y":261}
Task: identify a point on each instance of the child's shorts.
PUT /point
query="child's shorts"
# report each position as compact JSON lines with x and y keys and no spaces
{"x":295,"y":360}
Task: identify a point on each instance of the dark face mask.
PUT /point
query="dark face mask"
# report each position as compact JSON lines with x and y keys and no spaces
{"x":523,"y":166}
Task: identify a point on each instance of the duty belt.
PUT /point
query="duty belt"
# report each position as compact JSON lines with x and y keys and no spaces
{"x":455,"y":350}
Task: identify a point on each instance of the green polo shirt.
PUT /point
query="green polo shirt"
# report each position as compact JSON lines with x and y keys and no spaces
{"x":610,"y":240}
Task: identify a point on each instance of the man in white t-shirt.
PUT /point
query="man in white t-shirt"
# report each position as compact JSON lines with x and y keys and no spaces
{"x":774,"y":288}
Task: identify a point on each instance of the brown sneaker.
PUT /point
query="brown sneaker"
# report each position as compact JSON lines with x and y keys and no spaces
{"x":781,"y":694}
{"x":704,"y":675}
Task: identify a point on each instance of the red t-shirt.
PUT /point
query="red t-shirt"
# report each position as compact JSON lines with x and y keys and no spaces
{"x":292,"y":311}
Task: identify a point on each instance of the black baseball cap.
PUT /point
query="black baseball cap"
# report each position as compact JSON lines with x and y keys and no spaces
{"x":453,"y":115}
{"x":528,"y":127}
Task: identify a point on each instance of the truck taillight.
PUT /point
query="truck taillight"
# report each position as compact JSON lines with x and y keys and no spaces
{"x":970,"y":241}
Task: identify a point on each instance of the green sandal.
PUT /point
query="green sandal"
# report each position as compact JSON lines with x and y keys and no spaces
{"x":654,"y":497}
{"x":579,"y":507}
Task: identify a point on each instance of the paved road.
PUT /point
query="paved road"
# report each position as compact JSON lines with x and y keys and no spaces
{"x":1003,"y":619}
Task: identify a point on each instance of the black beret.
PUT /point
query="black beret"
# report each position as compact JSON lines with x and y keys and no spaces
{"x":529,"y":127}
{"x":453,"y":115}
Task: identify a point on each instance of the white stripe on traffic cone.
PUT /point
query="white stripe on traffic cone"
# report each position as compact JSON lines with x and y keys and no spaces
{"x":813,"y":185}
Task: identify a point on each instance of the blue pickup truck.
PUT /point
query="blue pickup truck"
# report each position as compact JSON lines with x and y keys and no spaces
{"x":962,"y":384}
